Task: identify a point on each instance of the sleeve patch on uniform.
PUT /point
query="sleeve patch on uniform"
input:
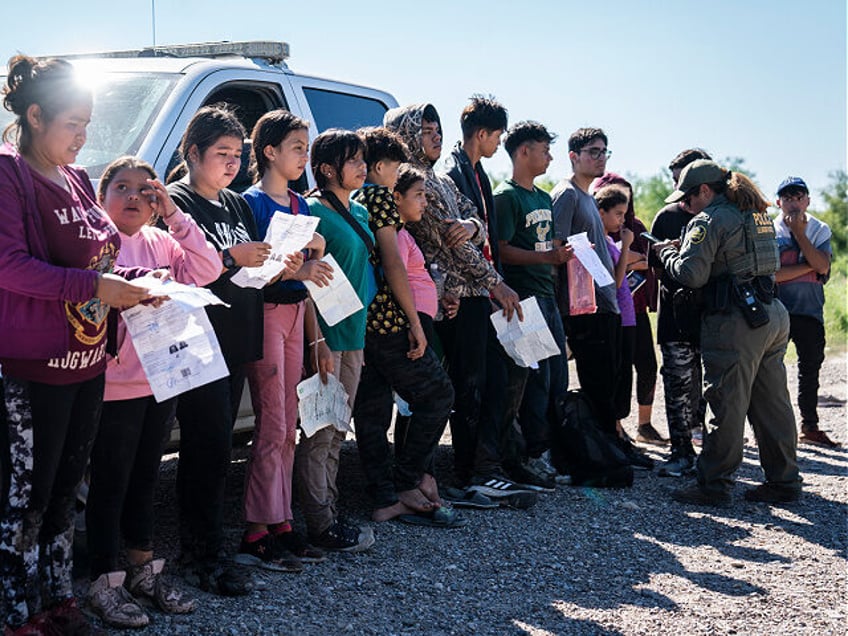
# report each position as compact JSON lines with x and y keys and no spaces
{"x":696,"y":235}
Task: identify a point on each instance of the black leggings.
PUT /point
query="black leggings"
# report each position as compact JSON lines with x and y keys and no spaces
{"x":645,"y":361}
{"x":124,"y":472}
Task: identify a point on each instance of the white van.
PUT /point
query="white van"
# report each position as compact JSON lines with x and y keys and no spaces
{"x":144,"y":99}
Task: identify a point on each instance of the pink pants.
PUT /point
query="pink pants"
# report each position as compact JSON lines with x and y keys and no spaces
{"x":273,"y":381}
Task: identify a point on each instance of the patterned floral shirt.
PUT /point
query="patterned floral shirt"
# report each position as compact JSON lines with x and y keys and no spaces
{"x":384,"y":314}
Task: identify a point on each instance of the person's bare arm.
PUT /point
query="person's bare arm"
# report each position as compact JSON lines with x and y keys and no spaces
{"x":511,"y":255}
{"x":791,"y":272}
{"x":398,"y":280}
{"x":318,"y":350}
{"x":819,"y":260}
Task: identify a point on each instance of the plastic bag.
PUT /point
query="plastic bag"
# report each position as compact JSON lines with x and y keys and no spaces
{"x":581,"y":290}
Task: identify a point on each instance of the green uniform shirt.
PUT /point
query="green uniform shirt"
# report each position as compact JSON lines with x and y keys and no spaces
{"x":714,"y":240}
{"x":524,"y":220}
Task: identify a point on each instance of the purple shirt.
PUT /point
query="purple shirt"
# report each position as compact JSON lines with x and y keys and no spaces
{"x":622,"y":294}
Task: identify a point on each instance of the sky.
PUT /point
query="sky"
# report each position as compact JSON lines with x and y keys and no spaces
{"x":764,"y":80}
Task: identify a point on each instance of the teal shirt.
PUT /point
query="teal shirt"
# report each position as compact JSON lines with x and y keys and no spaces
{"x":524,"y":220}
{"x":352,"y":256}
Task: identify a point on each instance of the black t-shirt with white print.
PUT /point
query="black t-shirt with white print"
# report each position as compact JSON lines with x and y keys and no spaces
{"x":227,"y":222}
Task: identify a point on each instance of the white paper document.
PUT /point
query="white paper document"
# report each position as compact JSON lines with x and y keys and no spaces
{"x":188,"y":296}
{"x":287,"y":233}
{"x":526,"y":341}
{"x":587,"y":256}
{"x":322,"y":405}
{"x":177,"y":347}
{"x":335,"y":301}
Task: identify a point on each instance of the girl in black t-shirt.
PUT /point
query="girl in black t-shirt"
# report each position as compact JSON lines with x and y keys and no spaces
{"x":211,"y":149}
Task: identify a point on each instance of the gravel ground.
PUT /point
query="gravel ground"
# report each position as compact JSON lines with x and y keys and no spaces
{"x":581,"y":562}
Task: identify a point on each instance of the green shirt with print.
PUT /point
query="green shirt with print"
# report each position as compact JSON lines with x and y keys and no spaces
{"x":524,"y":221}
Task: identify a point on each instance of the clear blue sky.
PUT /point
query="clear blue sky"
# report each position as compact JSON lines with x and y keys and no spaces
{"x":760,"y":79}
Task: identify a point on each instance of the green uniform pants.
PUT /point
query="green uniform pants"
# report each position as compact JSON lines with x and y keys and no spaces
{"x":744,"y":375}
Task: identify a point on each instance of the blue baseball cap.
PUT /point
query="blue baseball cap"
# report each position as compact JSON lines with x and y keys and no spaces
{"x":792,"y":182}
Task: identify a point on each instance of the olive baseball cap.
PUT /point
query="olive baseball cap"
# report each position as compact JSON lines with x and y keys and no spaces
{"x":696,"y":173}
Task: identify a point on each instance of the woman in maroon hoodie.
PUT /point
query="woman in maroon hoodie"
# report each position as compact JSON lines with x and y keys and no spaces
{"x":57,"y":255}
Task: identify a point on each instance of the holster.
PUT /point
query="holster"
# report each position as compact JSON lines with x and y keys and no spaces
{"x":717,"y":295}
{"x":687,"y":306}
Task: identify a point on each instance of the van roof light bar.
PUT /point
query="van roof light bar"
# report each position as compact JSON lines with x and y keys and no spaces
{"x":274,"y":52}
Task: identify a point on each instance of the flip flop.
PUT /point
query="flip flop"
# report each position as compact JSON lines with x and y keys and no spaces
{"x":444,"y":517}
{"x":468,"y":499}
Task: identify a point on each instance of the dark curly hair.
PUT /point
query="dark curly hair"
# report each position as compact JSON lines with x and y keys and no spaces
{"x":382,"y":144}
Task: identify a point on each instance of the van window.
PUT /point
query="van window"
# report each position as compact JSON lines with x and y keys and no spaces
{"x":342,"y":110}
{"x":125,"y":105}
{"x":248,"y":101}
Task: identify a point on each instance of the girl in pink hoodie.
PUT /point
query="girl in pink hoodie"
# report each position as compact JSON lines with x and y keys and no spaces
{"x":133,"y":426}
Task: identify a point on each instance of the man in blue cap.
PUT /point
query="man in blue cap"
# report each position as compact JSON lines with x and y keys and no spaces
{"x":805,"y":255}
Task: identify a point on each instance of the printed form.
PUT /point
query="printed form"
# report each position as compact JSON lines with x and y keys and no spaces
{"x":587,"y":256}
{"x":287,"y":233}
{"x":175,"y":342}
{"x":335,"y":301}
{"x":526,"y":341}
{"x":322,"y":405}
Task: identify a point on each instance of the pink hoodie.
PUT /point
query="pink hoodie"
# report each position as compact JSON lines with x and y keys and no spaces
{"x":190,"y":259}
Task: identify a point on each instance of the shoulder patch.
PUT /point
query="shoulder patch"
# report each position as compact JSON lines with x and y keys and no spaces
{"x":696,"y":235}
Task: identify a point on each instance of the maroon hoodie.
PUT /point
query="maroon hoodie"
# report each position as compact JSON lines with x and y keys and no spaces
{"x":53,"y":245}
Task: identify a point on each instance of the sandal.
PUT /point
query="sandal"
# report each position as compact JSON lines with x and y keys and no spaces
{"x":443,"y":517}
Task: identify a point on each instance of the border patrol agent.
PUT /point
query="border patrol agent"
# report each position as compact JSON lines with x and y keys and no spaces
{"x":731,"y":255}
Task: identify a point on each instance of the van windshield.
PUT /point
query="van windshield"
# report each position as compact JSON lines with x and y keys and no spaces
{"x":125,"y":105}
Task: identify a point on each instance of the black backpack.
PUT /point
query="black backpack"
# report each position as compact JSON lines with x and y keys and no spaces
{"x":581,"y":449}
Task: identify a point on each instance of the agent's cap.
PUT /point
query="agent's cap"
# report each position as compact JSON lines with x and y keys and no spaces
{"x":697,"y":173}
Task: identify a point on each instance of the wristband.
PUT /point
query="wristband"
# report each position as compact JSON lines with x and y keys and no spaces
{"x":316,"y":342}
{"x":227,"y":258}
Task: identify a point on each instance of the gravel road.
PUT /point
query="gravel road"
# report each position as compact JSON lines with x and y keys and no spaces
{"x":581,"y":562}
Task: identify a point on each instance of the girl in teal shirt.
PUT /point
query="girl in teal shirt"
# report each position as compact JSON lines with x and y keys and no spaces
{"x":339,"y":169}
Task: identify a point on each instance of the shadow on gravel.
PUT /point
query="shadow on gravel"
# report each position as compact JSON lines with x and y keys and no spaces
{"x":823,"y":461}
{"x":814,"y":518}
{"x":580,"y":562}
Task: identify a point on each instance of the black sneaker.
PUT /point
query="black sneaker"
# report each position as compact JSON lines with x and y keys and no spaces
{"x":344,"y":537}
{"x":504,"y":492}
{"x":218,"y":576}
{"x":636,"y":457}
{"x":647,"y":434}
{"x":773,"y":493}
{"x":529,"y":475}
{"x":266,"y":553}
{"x":295,"y":543}
{"x":678,"y":464}
{"x":697,"y":496}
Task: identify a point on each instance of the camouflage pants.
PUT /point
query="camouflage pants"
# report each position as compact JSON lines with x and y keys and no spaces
{"x":50,"y":432}
{"x":684,"y":403}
